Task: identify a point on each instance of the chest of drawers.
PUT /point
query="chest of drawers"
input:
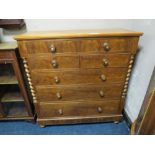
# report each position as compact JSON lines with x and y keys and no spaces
{"x":78,"y":76}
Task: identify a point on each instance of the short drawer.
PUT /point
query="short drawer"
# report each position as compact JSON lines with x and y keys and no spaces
{"x":49,"y":61}
{"x":78,"y":76}
{"x":106,"y":45}
{"x":50,"y":46}
{"x":88,"y":108}
{"x":6,"y":56}
{"x":78,"y":92}
{"x":104,"y":60}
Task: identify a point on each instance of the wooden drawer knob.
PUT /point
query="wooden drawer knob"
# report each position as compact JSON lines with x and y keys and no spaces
{"x":105,"y":62}
{"x":56,"y":80}
{"x":103,"y":77}
{"x":54,"y":63}
{"x":58,"y":95}
{"x":106,"y":46}
{"x":52,"y":49}
{"x":101,"y":93}
{"x":60,"y":111}
{"x":99,"y":109}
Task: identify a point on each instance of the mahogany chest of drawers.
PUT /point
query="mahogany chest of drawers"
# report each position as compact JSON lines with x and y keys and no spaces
{"x":78,"y":76}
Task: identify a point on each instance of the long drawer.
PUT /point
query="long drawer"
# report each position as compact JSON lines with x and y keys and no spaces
{"x":75,"y":109}
{"x":49,"y":61}
{"x":78,"y":92}
{"x":78,"y":76}
{"x":112,"y":45}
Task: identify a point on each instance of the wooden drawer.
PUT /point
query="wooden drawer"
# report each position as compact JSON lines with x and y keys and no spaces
{"x":106,"y":45}
{"x":49,"y":61}
{"x":111,"y":44}
{"x":104,"y":60}
{"x":78,"y":92}
{"x":89,"y":108}
{"x":79,"y":76}
{"x":5,"y":55}
{"x":50,"y":46}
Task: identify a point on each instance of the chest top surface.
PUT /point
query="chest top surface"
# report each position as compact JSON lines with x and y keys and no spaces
{"x":77,"y":34}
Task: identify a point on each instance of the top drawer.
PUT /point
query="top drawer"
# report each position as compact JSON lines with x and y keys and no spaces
{"x":50,"y":46}
{"x":104,"y":45}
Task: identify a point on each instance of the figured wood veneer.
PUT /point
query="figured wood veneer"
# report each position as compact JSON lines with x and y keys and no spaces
{"x":78,"y":76}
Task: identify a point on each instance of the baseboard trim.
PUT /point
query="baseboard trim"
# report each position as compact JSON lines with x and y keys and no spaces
{"x":127,"y":119}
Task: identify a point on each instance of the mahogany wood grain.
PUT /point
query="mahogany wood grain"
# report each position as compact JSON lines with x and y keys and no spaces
{"x":89,"y":45}
{"x":78,"y":76}
{"x":61,"y":61}
{"x":44,"y":46}
{"x":83,"y":108}
{"x":86,"y":66}
{"x":78,"y":61}
{"x":8,"y":55}
{"x":74,"y":120}
{"x":97,"y":45}
{"x":78,"y":92}
{"x":97,"y":60}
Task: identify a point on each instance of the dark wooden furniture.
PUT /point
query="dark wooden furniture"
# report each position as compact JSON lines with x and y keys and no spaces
{"x":78,"y":76}
{"x":145,"y":123}
{"x":12,"y":23}
{"x":14,"y":102}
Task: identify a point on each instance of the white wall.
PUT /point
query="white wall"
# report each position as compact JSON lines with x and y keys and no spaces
{"x":145,"y":59}
{"x":143,"y":68}
{"x":63,"y":24}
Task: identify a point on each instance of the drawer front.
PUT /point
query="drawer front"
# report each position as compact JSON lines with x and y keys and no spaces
{"x":89,"y":108}
{"x":50,"y":46}
{"x":82,"y":92}
{"x":79,"y":76}
{"x":111,"y":45}
{"x":6,"y":55}
{"x":104,"y":60}
{"x":49,"y":61}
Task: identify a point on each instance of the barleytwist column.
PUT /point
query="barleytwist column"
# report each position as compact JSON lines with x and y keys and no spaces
{"x":29,"y":80}
{"x":128,"y":76}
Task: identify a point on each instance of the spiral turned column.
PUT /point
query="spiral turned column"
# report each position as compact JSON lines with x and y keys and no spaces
{"x":128,"y":76}
{"x":29,"y":80}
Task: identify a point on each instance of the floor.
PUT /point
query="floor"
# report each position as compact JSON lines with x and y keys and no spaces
{"x":27,"y":128}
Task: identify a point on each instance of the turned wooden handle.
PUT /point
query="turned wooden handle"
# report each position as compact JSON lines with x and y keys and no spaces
{"x":52,"y":48}
{"x":99,"y":109}
{"x":101,"y":93}
{"x":103,"y":77}
{"x":56,"y":80}
{"x":105,"y":62}
{"x":60,"y":111}
{"x":54,"y":63}
{"x":106,"y":46}
{"x":58,"y":95}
